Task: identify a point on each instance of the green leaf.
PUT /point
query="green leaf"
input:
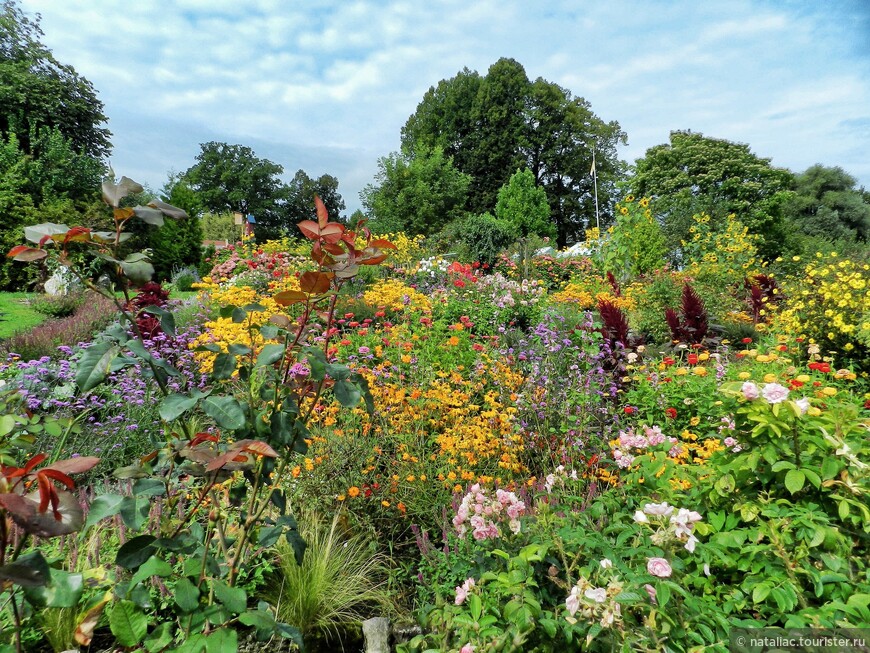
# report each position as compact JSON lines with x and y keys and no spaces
{"x":475,"y":605}
{"x":153,"y":566}
{"x":174,"y":406}
{"x":239,"y":349}
{"x":94,"y":365}
{"x":63,"y":590}
{"x":270,"y":354}
{"x":224,"y":640}
{"x":347,"y":393}
{"x":239,"y":315}
{"x":186,"y":595}
{"x":149,"y":487}
{"x":761,"y":591}
{"x":139,"y":272}
{"x":159,"y":638}
{"x":136,"y":551}
{"x":128,"y":623}
{"x":234,"y":598}
{"x":29,"y":570}
{"x":135,"y":511}
{"x":105,"y":505}
{"x":794,"y":480}
{"x":225,"y":411}
{"x":224,"y":366}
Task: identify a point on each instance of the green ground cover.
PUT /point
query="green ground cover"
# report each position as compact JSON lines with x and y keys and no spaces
{"x":16,"y":314}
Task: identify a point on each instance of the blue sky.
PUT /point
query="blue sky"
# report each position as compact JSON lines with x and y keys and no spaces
{"x":326,"y":86}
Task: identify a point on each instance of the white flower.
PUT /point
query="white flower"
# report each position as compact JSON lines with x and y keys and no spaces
{"x":640,"y":517}
{"x":658,"y":509}
{"x":606,"y":563}
{"x":803,"y":404}
{"x":597,"y":594}
{"x":572,"y":603}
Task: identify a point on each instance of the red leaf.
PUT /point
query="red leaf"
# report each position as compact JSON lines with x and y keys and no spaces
{"x":314,"y":283}
{"x":288,"y":297}
{"x":74,"y":465}
{"x":66,"y":518}
{"x":26,"y":254}
{"x":333,"y":248}
{"x":33,"y":462}
{"x":322,"y":215}
{"x":257,"y":447}
{"x":380,"y":243}
{"x":309,"y":229}
{"x":60,"y":477}
{"x":374,"y":260}
{"x":202,"y":437}
{"x":78,"y":234}
{"x":332,"y":232}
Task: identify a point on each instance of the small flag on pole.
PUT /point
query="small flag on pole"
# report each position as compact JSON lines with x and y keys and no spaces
{"x":592,"y":169}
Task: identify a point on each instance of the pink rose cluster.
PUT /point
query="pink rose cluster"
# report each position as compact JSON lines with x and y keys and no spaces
{"x":483,"y":512}
{"x":772,"y":393}
{"x":463,"y":590}
{"x":652,"y":436}
{"x":594,"y":602}
{"x":672,"y":524}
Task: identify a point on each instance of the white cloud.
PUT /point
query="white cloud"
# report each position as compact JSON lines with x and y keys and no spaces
{"x":333,"y":82}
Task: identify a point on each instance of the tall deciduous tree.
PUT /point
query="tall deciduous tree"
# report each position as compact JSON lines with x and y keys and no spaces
{"x":827,"y":204}
{"x":697,"y":174}
{"x":494,"y":124}
{"x":37,"y":91}
{"x":232,"y":178}
{"x":418,"y":194}
{"x":300,"y":194}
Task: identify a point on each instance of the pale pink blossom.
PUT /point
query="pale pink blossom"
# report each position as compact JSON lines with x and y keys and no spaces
{"x":468,"y":648}
{"x":659,"y":567}
{"x":658,"y":509}
{"x":652,"y":593}
{"x":803,"y":404}
{"x":774,"y":393}
{"x":750,"y":391}
{"x":572,"y":603}
{"x":463,"y":590}
{"x":597,"y":594}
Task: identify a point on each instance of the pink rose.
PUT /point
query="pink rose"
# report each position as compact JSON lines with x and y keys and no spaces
{"x":659,"y":567}
{"x":468,"y":648}
{"x":774,"y":393}
{"x":750,"y":391}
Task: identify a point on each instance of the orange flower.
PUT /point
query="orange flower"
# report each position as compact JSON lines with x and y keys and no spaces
{"x":353,"y":492}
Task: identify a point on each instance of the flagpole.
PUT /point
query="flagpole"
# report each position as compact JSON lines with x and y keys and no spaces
{"x":595,"y":182}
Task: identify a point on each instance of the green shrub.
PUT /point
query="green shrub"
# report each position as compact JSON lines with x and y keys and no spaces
{"x":483,"y":237}
{"x":184,"y":278}
{"x":58,"y":305}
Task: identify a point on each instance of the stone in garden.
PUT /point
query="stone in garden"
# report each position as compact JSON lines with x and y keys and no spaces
{"x":377,"y":634}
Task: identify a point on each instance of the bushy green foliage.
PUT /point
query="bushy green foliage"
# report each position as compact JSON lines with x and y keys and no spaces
{"x":523,"y":204}
{"x":634,"y":245}
{"x":417,"y":195}
{"x":483,"y":237}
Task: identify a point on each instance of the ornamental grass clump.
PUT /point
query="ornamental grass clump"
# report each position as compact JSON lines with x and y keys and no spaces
{"x":339,"y":583}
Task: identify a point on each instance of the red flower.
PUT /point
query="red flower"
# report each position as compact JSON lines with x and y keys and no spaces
{"x":667,"y":360}
{"x":746,"y":341}
{"x":459,"y":283}
{"x":671,"y":413}
{"x":693,"y":359}
{"x":783,"y":348}
{"x":628,"y":410}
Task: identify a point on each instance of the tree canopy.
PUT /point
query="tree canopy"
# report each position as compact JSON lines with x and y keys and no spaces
{"x":299,"y":198}
{"x":827,"y":204}
{"x":37,"y":91}
{"x":418,"y":194}
{"x":232,"y":178}
{"x":494,"y":124}
{"x":695,"y":174}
